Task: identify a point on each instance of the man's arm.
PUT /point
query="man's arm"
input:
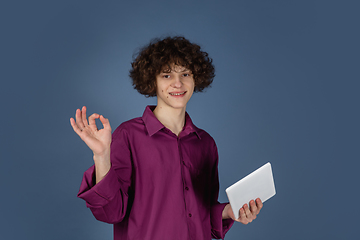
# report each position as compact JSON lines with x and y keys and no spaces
{"x":105,"y":185}
{"x":219,"y":225}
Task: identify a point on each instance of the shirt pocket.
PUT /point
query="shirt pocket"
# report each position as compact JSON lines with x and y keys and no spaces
{"x":199,"y":181}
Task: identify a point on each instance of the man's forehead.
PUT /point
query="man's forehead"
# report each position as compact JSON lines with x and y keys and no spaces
{"x":174,"y":68}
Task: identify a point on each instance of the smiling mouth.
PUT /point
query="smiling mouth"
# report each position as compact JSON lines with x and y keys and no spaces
{"x":177,"y":94}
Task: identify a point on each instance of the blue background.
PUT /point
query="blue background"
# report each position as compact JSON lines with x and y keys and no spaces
{"x":286,"y":91}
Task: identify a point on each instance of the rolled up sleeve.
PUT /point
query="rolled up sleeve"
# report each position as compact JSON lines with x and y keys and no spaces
{"x":108,"y":199}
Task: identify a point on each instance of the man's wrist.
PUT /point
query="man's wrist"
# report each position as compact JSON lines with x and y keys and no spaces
{"x":102,"y":166}
{"x":225,"y":212}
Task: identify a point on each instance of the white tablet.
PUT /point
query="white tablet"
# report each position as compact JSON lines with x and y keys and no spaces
{"x":258,"y":184}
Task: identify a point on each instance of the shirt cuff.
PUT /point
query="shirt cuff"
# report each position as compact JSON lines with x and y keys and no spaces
{"x":220,"y":226}
{"x":98,"y":195}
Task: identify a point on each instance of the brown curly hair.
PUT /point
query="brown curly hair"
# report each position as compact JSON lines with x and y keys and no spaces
{"x":162,"y":53}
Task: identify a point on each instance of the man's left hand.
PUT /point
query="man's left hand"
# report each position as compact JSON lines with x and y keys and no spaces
{"x":246,"y":214}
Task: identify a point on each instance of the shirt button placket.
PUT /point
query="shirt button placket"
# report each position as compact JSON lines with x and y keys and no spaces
{"x":186,"y":188}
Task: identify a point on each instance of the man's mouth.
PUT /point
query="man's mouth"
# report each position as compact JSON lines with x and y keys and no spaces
{"x":177,"y":94}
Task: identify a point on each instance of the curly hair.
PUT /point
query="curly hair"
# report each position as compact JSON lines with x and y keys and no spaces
{"x":163,"y":53}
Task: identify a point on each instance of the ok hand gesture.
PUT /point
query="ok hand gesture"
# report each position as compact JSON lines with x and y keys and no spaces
{"x":98,"y":140}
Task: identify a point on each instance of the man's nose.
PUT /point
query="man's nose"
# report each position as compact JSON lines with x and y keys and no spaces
{"x":177,"y":82}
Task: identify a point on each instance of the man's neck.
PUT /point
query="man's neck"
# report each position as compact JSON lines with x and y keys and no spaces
{"x":173,"y":119}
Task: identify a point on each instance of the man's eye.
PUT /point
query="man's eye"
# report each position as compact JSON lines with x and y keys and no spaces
{"x":166,"y":76}
{"x":186,"y":75}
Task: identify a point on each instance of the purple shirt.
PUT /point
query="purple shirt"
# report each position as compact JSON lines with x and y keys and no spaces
{"x":160,"y":186}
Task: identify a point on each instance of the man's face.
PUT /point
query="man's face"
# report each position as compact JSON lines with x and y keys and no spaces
{"x":174,"y":87}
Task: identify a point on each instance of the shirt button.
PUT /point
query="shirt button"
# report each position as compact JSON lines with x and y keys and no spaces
{"x":186,"y":188}
{"x":190,"y":215}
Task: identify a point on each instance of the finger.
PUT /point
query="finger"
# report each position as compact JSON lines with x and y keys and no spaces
{"x":83,"y":116}
{"x":79,"y":121}
{"x":92,"y":123}
{"x":248,"y":213}
{"x":259,"y":204}
{"x":75,"y":127}
{"x":242,"y":216}
{"x":105,"y":122}
{"x":253,"y":208}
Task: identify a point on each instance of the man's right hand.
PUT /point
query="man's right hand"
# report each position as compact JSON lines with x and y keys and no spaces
{"x":98,"y":140}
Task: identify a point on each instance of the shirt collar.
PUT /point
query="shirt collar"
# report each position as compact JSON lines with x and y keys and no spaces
{"x":153,"y":125}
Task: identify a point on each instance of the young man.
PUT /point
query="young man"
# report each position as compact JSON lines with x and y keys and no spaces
{"x":156,"y":176}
